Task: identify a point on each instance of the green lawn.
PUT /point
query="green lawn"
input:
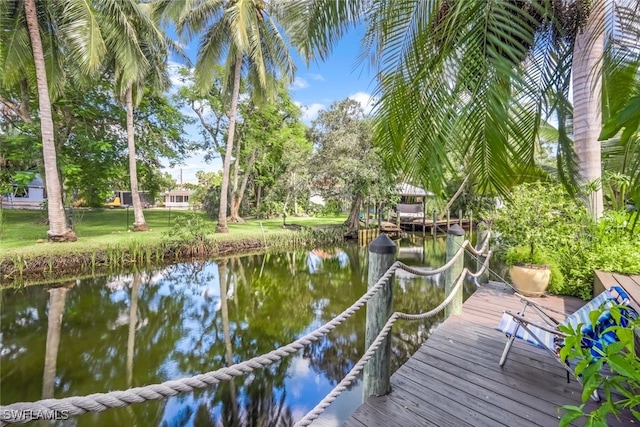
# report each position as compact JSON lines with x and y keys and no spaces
{"x":20,"y":230}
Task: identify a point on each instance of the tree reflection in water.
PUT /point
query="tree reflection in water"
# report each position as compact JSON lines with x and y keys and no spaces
{"x":147,"y":327}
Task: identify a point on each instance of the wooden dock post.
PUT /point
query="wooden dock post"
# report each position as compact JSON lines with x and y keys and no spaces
{"x":434,"y":230}
{"x":424,"y":216}
{"x":382,"y":255}
{"x":455,"y":238}
{"x":483,"y":232}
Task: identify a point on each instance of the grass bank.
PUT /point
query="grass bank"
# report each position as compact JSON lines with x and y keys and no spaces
{"x":105,"y":240}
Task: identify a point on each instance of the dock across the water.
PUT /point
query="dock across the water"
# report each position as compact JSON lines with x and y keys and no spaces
{"x":455,"y":380}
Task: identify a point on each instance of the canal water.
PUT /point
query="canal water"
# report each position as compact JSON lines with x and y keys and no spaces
{"x":115,"y":332}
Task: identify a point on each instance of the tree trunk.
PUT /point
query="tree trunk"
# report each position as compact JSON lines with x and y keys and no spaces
{"x":587,"y":114}
{"x":57,"y":298}
{"x":236,"y":198}
{"x":58,"y":230}
{"x":353,"y":222}
{"x":259,"y":201}
{"x":238,"y":194}
{"x":139,"y":224}
{"x":133,"y":321}
{"x":226,"y":331}
{"x":233,"y":111}
{"x":455,"y":196}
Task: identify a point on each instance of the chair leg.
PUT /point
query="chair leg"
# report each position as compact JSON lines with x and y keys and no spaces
{"x":507,"y":347}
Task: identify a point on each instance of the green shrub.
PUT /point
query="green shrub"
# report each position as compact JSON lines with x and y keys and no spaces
{"x":543,"y":216}
{"x":608,"y":245}
{"x":190,"y":228}
{"x":537,"y":225}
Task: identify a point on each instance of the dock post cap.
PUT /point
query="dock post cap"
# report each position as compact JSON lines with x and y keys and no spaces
{"x":455,"y":230}
{"x":382,"y":245}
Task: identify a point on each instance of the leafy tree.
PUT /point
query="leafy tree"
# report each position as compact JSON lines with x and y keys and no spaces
{"x":208,"y":107}
{"x":92,"y":153}
{"x":207,"y":192}
{"x":345,"y":164}
{"x":274,"y":155}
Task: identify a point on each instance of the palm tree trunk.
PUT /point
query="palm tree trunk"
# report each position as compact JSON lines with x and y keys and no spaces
{"x":236,"y":198}
{"x":133,"y":321}
{"x":226,"y":330}
{"x":587,"y":114}
{"x":233,"y":111}
{"x":58,"y":230}
{"x":139,"y":224}
{"x":57,"y":298}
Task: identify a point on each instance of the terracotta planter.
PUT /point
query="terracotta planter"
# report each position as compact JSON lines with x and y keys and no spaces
{"x":529,"y":279}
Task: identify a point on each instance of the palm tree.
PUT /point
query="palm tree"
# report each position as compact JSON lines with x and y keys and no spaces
{"x":58,"y":230}
{"x":475,"y":77}
{"x":587,"y":99}
{"x":140,"y":60}
{"x":246,"y":33}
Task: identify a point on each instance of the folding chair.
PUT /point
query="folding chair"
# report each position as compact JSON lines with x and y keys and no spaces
{"x":546,"y":334}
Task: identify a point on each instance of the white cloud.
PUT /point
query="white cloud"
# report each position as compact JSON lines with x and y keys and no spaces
{"x":299,"y":83}
{"x":301,"y":366}
{"x":316,"y":77}
{"x":176,"y":80}
{"x":366,"y":100}
{"x":310,"y":112}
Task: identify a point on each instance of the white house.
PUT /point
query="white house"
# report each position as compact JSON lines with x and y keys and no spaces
{"x":31,"y":195}
{"x":177,"y":198}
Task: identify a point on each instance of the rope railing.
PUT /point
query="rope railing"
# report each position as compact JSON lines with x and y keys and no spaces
{"x":359,"y":366}
{"x":22,"y":412}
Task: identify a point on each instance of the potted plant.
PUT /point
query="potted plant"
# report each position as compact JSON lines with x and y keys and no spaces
{"x":529,"y":269}
{"x":530,"y":227}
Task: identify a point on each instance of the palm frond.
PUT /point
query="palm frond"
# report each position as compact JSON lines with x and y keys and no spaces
{"x":80,"y":28}
{"x":309,"y":22}
{"x":214,"y":45}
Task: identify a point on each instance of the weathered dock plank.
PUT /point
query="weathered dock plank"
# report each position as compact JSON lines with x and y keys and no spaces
{"x":454,"y":379}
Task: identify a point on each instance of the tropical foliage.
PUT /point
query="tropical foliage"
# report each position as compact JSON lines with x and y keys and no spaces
{"x":619,"y":354}
{"x":544,"y":215}
{"x":245,"y":34}
{"x":478,"y":78}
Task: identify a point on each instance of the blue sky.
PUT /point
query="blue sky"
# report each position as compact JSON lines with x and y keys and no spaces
{"x":314,"y":89}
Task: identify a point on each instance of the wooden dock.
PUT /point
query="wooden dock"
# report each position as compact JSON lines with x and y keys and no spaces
{"x":442,"y":225}
{"x":454,"y":379}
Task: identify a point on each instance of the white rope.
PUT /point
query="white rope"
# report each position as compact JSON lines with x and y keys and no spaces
{"x":355,"y":371}
{"x":483,"y":268}
{"x":445,"y":267}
